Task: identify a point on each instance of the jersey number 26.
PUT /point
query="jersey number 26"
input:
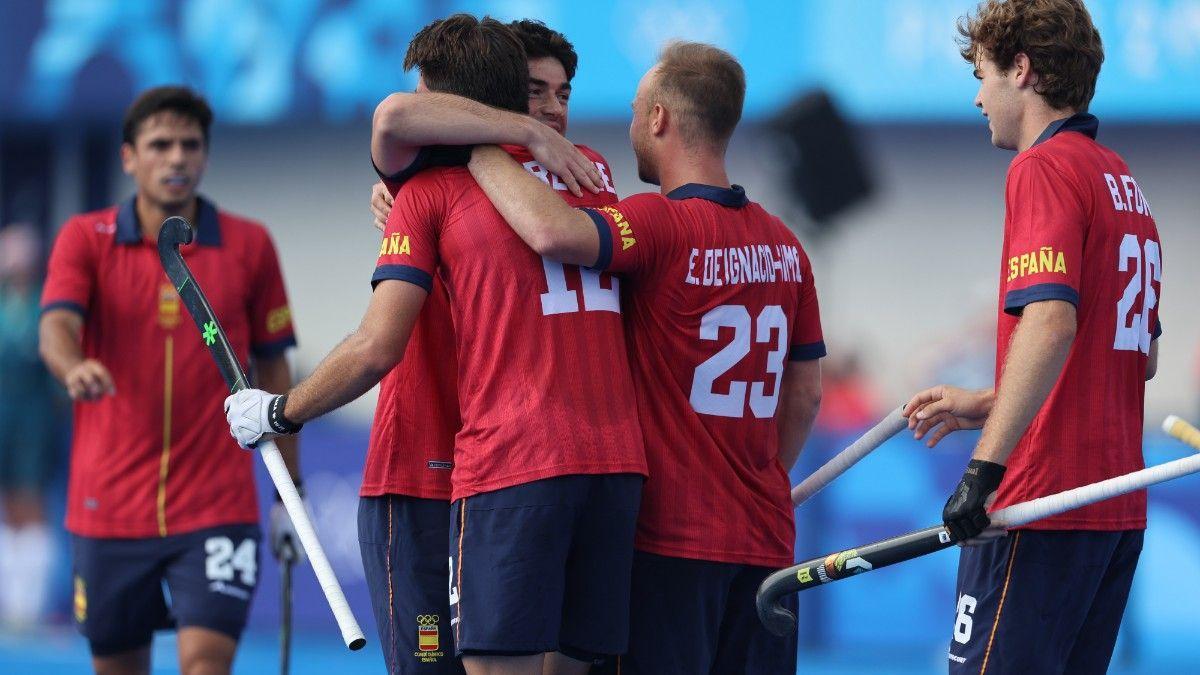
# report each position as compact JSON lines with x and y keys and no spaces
{"x":1133,"y":331}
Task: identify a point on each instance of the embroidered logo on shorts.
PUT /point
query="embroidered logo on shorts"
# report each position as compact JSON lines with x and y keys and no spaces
{"x":429,"y":647}
{"x":80,"y":600}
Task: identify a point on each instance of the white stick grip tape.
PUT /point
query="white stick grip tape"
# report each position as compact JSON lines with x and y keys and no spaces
{"x":352,"y":635}
{"x":840,"y":463}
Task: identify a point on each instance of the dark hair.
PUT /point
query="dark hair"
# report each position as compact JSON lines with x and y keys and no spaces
{"x":482,"y":60}
{"x":1058,"y":36}
{"x":708,"y":87}
{"x":541,"y":41}
{"x":179,"y":100}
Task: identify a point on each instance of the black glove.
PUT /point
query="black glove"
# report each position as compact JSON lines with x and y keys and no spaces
{"x":965,"y":515}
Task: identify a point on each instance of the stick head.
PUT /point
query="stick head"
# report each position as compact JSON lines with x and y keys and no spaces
{"x":777,"y":619}
{"x":175,"y":231}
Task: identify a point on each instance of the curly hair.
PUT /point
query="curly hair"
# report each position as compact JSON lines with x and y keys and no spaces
{"x":1058,"y":36}
{"x":541,"y":41}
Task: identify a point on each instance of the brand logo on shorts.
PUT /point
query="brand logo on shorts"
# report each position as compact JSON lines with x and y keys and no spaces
{"x":80,"y":600}
{"x":428,"y":638}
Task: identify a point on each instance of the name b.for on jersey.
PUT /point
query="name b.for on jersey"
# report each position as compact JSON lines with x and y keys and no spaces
{"x":751,"y":264}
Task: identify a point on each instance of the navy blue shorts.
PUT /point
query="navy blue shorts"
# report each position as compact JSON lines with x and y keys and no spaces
{"x":403,"y":543}
{"x":1040,"y":601}
{"x":125,"y":589}
{"x":544,"y":567}
{"x":696,"y":617}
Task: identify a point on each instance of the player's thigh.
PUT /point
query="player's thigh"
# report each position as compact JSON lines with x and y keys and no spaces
{"x":118,"y":598}
{"x":744,"y":644}
{"x":1022,"y":599}
{"x":403,"y":541}
{"x":213,"y":578}
{"x":595,"y":620}
{"x":676,"y":608}
{"x":508,"y":551}
{"x":1097,"y":636}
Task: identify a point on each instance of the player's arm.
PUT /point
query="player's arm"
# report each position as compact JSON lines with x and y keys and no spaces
{"x":275,"y":375}
{"x":539,"y":217}
{"x":405,"y":122}
{"x":1036,"y":356}
{"x":59,"y":342}
{"x":799,"y":401}
{"x":1152,"y":362}
{"x":945,"y":408}
{"x":361,"y":360}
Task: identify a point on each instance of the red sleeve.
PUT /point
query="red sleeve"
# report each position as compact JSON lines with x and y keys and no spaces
{"x":71,"y":272}
{"x":271,"y":330}
{"x":409,"y":250}
{"x":635,"y":235}
{"x":807,"y":341}
{"x":1044,"y":236}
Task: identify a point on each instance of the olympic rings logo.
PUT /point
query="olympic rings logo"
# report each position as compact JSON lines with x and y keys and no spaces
{"x":427,"y":619}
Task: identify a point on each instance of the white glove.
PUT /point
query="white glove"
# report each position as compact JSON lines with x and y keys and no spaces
{"x":254,"y":415}
{"x":282,"y":533}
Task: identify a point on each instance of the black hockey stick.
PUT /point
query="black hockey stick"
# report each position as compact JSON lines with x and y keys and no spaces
{"x":851,"y":562}
{"x":176,"y":231}
{"x":287,"y":558}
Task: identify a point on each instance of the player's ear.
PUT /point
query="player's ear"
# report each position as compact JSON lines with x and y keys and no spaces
{"x":1023,"y":71}
{"x":127,"y":157}
{"x":659,"y":119}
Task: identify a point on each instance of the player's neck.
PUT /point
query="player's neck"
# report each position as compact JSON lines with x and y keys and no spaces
{"x":1035,"y":122}
{"x":151,"y":216}
{"x":706,"y":168}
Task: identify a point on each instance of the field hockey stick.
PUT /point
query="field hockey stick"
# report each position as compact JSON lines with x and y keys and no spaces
{"x":855,"y":561}
{"x":287,"y":558}
{"x":176,"y":231}
{"x":840,"y":463}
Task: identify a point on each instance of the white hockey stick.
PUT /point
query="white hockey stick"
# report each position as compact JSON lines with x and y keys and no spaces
{"x":840,"y":463}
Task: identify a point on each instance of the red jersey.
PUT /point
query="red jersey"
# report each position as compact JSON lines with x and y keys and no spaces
{"x":1078,"y":228}
{"x":156,"y":458}
{"x":411,"y":451}
{"x":720,"y":296}
{"x":543,"y":379}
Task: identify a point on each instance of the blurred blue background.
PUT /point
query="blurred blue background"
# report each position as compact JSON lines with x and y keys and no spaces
{"x":906,"y":278}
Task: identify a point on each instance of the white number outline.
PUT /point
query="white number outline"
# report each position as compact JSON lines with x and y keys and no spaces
{"x":963,"y":623}
{"x":1133,"y":332}
{"x":733,"y":403}
{"x":559,"y":299}
{"x":223,"y":560}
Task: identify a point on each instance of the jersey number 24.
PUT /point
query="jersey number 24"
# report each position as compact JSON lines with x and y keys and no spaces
{"x":733,"y":404}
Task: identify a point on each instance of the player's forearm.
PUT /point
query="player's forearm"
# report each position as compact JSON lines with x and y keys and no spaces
{"x":59,"y":341}
{"x":539,"y":216}
{"x":800,"y":400}
{"x":404,"y":122}
{"x":275,"y":376}
{"x":1039,"y":349}
{"x":349,"y":371}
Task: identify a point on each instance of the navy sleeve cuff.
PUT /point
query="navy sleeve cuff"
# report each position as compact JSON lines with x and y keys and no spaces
{"x":1015,"y":301}
{"x":1157,"y":329}
{"x":267,"y":350}
{"x":400,"y":177}
{"x":65,"y":304}
{"x":606,"y":244}
{"x":403,"y":273}
{"x":807,"y":352}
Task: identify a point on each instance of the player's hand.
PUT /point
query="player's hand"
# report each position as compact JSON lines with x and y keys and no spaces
{"x":282,"y":533}
{"x":944,"y":409}
{"x":89,"y":380}
{"x":560,"y":157}
{"x":965,"y":513}
{"x":254,"y":414}
{"x":381,"y":204}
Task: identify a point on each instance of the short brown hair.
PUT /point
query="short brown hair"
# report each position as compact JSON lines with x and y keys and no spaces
{"x":179,"y":100}
{"x":708,"y":85}
{"x":1058,"y":36}
{"x":481,"y":59}
{"x":541,"y":41}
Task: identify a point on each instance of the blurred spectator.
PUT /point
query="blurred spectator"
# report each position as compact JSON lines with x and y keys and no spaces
{"x":848,"y":399}
{"x":28,"y":441}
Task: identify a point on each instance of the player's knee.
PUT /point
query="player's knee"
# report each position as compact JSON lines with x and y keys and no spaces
{"x":205,"y":652}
